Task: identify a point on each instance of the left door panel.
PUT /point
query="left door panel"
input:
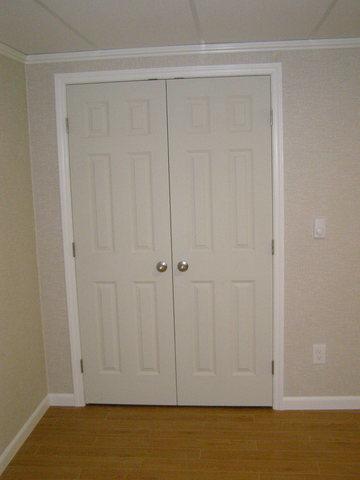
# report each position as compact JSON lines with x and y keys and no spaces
{"x":120,"y":201}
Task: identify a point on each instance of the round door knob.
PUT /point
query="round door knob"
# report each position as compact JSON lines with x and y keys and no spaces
{"x":182,"y":266}
{"x":161,"y":266}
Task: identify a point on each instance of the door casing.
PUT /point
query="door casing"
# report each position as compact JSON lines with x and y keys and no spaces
{"x":274,"y":70}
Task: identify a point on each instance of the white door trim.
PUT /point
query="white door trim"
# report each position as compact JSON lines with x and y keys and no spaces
{"x":274,"y":70}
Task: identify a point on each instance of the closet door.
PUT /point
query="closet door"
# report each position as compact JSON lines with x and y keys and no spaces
{"x":221,"y":203}
{"x":120,"y":199}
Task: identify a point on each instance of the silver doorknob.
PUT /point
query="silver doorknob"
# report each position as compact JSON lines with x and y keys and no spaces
{"x":182,"y":266}
{"x":161,"y":266}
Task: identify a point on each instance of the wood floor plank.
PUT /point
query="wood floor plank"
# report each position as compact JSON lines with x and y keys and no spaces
{"x":119,"y":450}
{"x":307,"y":477}
{"x":220,"y":465}
{"x":193,"y":475}
{"x":332,"y":467}
{"x":50,"y":439}
{"x":125,"y":464}
{"x":42,"y":473}
{"x":107,"y":473}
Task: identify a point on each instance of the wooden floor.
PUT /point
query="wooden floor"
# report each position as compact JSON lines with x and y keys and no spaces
{"x":182,"y":443}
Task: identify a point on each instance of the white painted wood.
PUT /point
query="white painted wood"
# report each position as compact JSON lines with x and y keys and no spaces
{"x":321,"y":403}
{"x":274,"y":71}
{"x":279,"y":237}
{"x":12,"y":53}
{"x":164,"y":73}
{"x":221,"y":204}
{"x":330,"y":43}
{"x":10,"y":451}
{"x":68,"y":238}
{"x":119,"y":187}
{"x":62,"y":400}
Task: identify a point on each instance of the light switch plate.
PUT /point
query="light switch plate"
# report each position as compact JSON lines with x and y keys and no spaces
{"x":319,"y":228}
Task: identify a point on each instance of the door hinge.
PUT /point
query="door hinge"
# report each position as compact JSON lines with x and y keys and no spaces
{"x":73,"y":249}
{"x":272,"y":367}
{"x":67,"y":125}
{"x":81,"y":365}
{"x":271,"y":117}
{"x":272,"y":247}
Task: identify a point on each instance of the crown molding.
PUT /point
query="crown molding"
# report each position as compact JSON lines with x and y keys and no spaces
{"x":192,"y":50}
{"x":179,"y":50}
{"x":12,"y":53}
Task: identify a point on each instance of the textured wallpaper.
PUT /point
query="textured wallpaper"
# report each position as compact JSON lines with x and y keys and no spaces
{"x":322,"y":178}
{"x":22,"y":365}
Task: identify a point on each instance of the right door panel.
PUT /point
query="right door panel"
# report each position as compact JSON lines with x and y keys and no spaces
{"x":221,"y":202}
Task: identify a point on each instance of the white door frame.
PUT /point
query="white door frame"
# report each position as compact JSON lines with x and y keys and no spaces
{"x":274,"y":70}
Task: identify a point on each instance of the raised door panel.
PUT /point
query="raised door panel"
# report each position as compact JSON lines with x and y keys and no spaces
{"x":147,"y":323}
{"x":107,"y":313}
{"x":203,"y":326}
{"x":202,"y":200}
{"x":242,"y":197}
{"x":244,"y":347}
{"x":102,"y":202}
{"x":143,"y":205}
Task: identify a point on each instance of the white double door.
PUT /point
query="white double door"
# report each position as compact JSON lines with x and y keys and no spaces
{"x":173,"y":171}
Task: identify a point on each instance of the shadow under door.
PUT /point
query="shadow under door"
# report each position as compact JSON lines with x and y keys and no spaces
{"x":172,"y":211}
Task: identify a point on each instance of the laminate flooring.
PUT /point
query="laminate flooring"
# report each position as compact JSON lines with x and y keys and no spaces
{"x":190,"y":443}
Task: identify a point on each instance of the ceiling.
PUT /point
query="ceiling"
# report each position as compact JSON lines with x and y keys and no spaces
{"x":60,"y":26}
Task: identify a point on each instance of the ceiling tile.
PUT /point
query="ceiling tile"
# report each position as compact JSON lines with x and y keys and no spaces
{"x":129,"y":23}
{"x":27,"y":27}
{"x":258,"y":20}
{"x":343,"y":21}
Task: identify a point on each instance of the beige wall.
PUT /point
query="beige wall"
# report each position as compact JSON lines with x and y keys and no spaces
{"x":322,"y":177}
{"x":22,"y":366}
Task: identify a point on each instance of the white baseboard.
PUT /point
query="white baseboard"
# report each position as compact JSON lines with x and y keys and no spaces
{"x":23,"y":433}
{"x":61,"y":400}
{"x":288,"y":403}
{"x":320,"y":403}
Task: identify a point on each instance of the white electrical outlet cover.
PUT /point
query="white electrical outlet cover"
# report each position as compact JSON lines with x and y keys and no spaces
{"x":319,"y":228}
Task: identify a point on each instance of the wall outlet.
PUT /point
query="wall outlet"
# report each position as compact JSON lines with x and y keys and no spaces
{"x":319,"y":229}
{"x":319,"y":353}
